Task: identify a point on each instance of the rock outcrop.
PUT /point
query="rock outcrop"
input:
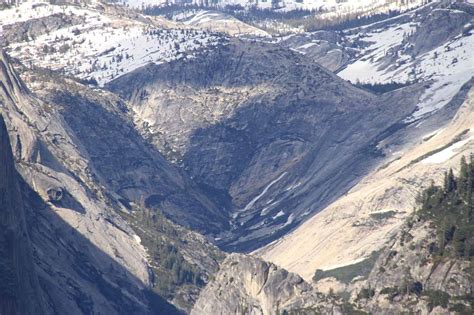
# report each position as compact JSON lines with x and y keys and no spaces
{"x":248,"y":285}
{"x":373,"y":211}
{"x":408,"y":275}
{"x":87,"y":255}
{"x":327,"y":48}
{"x":20,"y":292}
{"x":28,"y":30}
{"x":263,"y":129}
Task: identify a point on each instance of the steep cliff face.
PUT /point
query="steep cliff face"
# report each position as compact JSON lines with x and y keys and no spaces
{"x":78,"y":268}
{"x":372,"y":212}
{"x":82,"y":211}
{"x":20,"y":292}
{"x":409,"y":275}
{"x":248,"y":285}
{"x":272,"y":135}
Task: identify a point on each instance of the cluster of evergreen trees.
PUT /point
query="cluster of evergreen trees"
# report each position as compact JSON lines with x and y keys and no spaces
{"x":451,"y":208}
{"x":380,"y":88}
{"x":169,"y":267}
{"x":310,"y":20}
{"x":241,"y":13}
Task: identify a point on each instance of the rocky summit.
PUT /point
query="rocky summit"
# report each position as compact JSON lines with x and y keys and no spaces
{"x":236,"y":157}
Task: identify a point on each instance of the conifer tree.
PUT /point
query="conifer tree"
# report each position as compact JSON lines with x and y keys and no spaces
{"x":451,"y":209}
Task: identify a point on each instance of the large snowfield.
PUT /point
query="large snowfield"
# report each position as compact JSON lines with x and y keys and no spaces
{"x":102,"y":48}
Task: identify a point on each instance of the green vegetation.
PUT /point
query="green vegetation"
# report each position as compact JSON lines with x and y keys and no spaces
{"x":379,"y":216}
{"x":460,"y":308}
{"x":309,"y":20}
{"x":437,"y":298}
{"x":451,"y":208}
{"x":366,"y":293}
{"x":5,"y":6}
{"x":170,"y":270}
{"x":346,"y":309}
{"x":347,"y":273}
{"x":380,"y":88}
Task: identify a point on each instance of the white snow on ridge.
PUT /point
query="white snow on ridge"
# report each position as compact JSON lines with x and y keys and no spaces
{"x":448,"y":67}
{"x":217,"y":21}
{"x":104,"y":48}
{"x":137,"y":239}
{"x":254,"y":200}
{"x":445,"y":154}
{"x":332,"y":7}
{"x":380,"y":42}
{"x":138,"y":4}
{"x":33,"y":10}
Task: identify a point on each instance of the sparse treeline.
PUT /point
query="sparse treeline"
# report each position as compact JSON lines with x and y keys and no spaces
{"x":380,"y":88}
{"x":345,"y":21}
{"x":170,"y":269}
{"x":451,"y":208}
{"x":246,"y":15}
{"x":309,"y":20}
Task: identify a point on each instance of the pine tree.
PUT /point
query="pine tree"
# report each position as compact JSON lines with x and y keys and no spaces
{"x":451,"y":182}
{"x":451,"y":209}
{"x":464,"y":179}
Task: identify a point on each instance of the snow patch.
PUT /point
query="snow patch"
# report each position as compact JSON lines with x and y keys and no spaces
{"x":445,"y":154}
{"x":137,"y":239}
{"x":279,"y":214}
{"x":289,"y":220}
{"x":254,"y":200}
{"x":105,"y":47}
{"x":448,"y":67}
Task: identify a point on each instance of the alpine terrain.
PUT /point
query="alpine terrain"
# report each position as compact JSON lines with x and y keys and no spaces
{"x":236,"y":157}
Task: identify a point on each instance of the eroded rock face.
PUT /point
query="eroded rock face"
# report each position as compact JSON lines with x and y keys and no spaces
{"x":125,"y":162}
{"x":20,"y":292}
{"x":86,"y":256}
{"x":248,"y":285}
{"x":31,"y":29}
{"x":271,"y":135}
{"x":408,"y":276}
{"x":439,"y":26}
{"x":327,"y":48}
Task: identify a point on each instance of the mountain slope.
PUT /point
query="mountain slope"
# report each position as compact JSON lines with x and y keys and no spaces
{"x":241,"y":139}
{"x":210,"y":124}
{"x":331,"y":8}
{"x":262,"y":135}
{"x":72,"y":266}
{"x":248,"y":285}
{"x":426,"y":267}
{"x":372,"y":211}
{"x":89,"y":256}
{"x":429,"y":45}
{"x":409,"y":275}
{"x":20,"y":292}
{"x":96,"y":42}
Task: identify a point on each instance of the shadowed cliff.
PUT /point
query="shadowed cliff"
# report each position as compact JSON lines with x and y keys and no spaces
{"x":19,"y":288}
